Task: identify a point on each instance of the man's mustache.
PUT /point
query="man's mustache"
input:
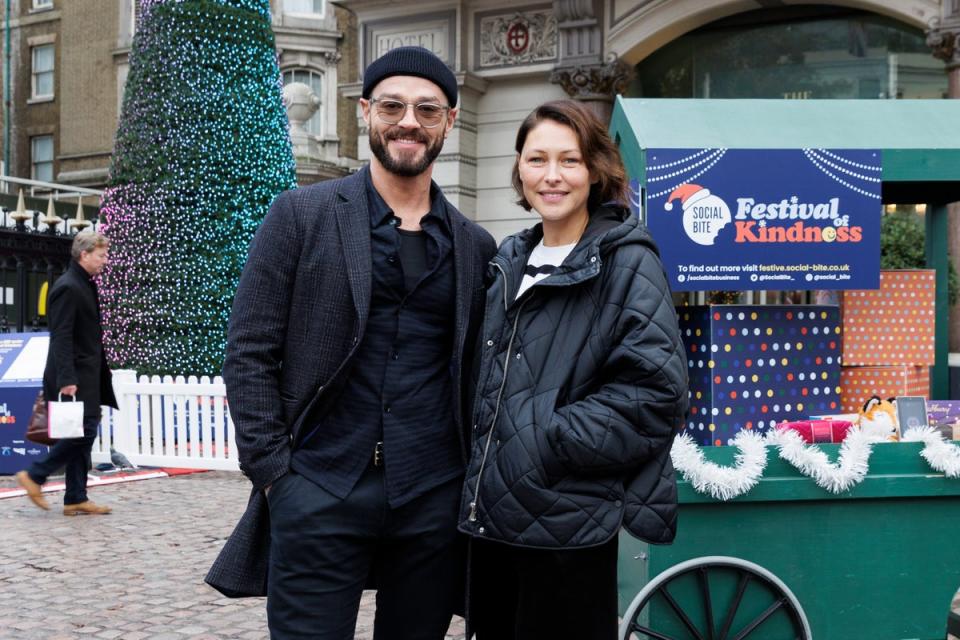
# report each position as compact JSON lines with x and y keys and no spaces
{"x":396,"y":134}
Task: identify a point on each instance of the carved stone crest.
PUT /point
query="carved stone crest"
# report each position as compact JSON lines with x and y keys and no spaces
{"x":944,"y":40}
{"x":522,"y":37}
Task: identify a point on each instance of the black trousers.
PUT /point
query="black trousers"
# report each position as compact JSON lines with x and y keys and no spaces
{"x":543,"y":594}
{"x":323,"y":550}
{"x":73,"y":454}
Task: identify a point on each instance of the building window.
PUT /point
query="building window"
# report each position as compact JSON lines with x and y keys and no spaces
{"x":43,"y":4}
{"x":41,"y":158}
{"x":42,"y":59}
{"x":797,"y":53}
{"x":315,"y":81}
{"x":128,"y":14}
{"x":303,"y":7}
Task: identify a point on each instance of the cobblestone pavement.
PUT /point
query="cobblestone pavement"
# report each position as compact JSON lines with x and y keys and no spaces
{"x":134,"y":574}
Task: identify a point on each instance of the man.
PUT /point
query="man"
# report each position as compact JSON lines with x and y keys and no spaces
{"x":355,"y":312}
{"x":76,"y":368}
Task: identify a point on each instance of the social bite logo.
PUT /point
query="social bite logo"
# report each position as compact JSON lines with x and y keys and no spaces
{"x":704,"y":214}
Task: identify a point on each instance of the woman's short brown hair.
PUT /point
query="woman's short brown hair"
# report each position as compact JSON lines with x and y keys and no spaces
{"x":598,"y":150}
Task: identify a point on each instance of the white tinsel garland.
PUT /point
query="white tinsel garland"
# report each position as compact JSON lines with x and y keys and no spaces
{"x":939,"y":454}
{"x":726,"y":483}
{"x":720,"y":482}
{"x":849,"y":470}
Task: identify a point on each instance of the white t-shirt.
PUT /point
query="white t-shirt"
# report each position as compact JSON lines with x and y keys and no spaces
{"x":542,"y":262}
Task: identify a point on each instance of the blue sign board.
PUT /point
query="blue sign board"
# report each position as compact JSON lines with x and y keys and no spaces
{"x":736,"y":219}
{"x":22,"y":359}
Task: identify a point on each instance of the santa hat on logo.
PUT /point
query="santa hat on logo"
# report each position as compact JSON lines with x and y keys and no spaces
{"x":688,"y":195}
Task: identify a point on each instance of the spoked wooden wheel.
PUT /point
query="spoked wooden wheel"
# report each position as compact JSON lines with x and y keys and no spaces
{"x":715,"y":598}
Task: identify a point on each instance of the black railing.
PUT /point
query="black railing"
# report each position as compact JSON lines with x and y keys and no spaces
{"x":30,"y":262}
{"x":34,"y":252}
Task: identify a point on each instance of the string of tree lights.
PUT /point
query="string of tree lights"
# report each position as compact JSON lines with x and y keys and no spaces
{"x":201,"y":151}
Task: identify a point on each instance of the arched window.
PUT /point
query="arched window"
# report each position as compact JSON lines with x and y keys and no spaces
{"x":313,"y":80}
{"x":795,"y":52}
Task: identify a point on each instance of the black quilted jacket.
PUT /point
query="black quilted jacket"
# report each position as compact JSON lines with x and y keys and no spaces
{"x":581,"y":387}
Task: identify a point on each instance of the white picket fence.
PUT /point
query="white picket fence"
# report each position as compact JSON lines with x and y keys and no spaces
{"x":169,"y":422}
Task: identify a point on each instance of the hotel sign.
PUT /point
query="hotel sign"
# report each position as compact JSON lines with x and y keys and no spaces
{"x":435,"y":31}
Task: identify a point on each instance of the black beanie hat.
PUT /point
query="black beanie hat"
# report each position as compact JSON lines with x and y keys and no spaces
{"x":411,"y":61}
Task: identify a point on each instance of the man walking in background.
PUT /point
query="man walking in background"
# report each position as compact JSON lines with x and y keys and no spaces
{"x":357,"y":308}
{"x":76,"y":368}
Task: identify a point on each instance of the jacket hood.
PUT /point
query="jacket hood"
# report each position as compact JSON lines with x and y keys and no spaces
{"x":611,"y":226}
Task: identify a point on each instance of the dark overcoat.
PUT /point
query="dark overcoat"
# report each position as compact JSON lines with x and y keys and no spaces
{"x":76,"y":343}
{"x":299,"y":315}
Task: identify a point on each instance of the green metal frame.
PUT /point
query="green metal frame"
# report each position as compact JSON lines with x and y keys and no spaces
{"x":880,"y":561}
{"x":920,"y":141}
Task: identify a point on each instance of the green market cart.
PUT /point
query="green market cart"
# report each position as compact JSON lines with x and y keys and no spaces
{"x":791,"y":560}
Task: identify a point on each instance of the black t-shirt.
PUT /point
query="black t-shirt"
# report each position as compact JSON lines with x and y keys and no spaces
{"x":413,"y":256}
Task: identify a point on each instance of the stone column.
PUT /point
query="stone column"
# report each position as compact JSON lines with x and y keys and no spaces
{"x":582,"y":70}
{"x":943,"y":37}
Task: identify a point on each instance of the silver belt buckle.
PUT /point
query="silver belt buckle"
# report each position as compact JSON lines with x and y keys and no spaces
{"x":378,"y":455}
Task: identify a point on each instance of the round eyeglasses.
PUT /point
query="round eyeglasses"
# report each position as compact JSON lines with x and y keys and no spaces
{"x":428,"y":114}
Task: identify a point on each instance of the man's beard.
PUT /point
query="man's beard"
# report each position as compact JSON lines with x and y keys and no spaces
{"x":404,"y":167}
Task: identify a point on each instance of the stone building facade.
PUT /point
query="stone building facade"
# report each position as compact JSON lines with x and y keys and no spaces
{"x":80,"y":51}
{"x":32,"y":104}
{"x":508,"y":56}
{"x":511,"y":56}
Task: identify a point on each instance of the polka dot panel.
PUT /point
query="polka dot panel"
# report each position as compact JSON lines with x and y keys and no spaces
{"x":859,"y":384}
{"x":752,"y":367}
{"x":894,"y":324}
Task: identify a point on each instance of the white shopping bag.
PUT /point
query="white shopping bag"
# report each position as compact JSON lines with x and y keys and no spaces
{"x":65,"y":419}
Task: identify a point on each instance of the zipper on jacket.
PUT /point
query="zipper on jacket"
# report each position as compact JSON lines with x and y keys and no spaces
{"x":472,"y":517}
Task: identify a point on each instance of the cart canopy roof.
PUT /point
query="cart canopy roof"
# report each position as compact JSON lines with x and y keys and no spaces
{"x":920,"y":139}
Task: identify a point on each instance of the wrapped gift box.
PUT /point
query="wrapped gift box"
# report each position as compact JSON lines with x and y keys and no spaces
{"x":858,"y":384}
{"x":892,"y":325}
{"x":817,"y":431}
{"x":753,"y":367}
{"x":944,"y":415}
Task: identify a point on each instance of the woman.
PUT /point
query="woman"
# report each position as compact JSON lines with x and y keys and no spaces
{"x":581,"y":388}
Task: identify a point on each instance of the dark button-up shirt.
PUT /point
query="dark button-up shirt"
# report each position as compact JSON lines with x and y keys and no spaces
{"x":399,"y":390}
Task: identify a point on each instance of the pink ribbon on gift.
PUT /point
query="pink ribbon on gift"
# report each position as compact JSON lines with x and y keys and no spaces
{"x":818,"y":431}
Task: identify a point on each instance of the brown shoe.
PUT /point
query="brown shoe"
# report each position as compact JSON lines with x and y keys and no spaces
{"x":34,"y":492}
{"x":85,"y":508}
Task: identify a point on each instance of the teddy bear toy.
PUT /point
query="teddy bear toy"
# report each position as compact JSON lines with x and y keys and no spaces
{"x":878,"y":419}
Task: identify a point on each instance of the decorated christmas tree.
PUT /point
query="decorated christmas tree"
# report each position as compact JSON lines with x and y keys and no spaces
{"x":201,"y":151}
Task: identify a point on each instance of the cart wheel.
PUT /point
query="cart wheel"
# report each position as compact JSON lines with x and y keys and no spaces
{"x":715,"y":598}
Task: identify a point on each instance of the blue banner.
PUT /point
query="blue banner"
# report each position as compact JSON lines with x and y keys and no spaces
{"x":737,"y":219}
{"x":22,"y":360}
{"x":16,"y":453}
{"x":23,"y":357}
